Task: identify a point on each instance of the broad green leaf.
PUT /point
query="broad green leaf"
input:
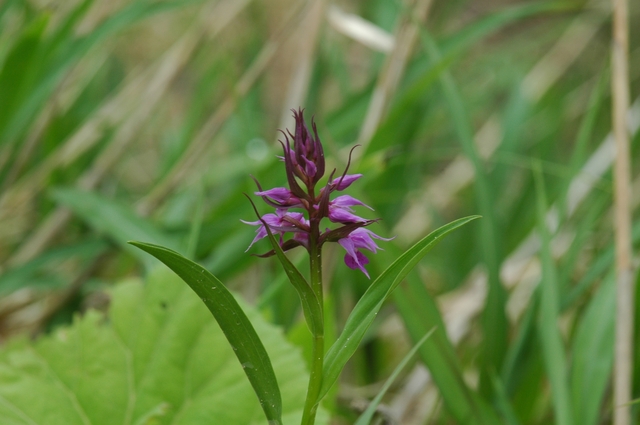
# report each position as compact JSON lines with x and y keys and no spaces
{"x":367,"y":308}
{"x":234,"y":323}
{"x":115,"y":220}
{"x":367,"y":415}
{"x":157,"y":358}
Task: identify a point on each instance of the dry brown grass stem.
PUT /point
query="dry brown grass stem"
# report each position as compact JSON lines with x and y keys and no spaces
{"x":393,"y":69}
{"x":360,"y":30}
{"x":131,"y":109}
{"x":623,"y":355}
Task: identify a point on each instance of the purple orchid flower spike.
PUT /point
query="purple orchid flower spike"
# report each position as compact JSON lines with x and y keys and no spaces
{"x":280,"y":223}
{"x":304,"y":160}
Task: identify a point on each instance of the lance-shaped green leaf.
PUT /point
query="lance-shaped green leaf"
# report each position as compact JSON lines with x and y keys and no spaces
{"x":234,"y":323}
{"x":310,"y":303}
{"x":367,"y":308}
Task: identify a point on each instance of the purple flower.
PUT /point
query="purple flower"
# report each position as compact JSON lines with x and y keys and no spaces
{"x":304,"y":161}
{"x":340,"y":210}
{"x":280,"y":197}
{"x":343,"y":182}
{"x":279,"y":223}
{"x":360,"y":238}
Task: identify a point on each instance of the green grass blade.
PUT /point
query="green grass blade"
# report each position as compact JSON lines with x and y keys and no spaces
{"x":367,"y":415}
{"x":599,"y":266}
{"x":36,"y":273}
{"x":518,"y":347}
{"x":453,"y":48}
{"x":585,"y":134}
{"x":234,"y":323}
{"x":367,"y":308}
{"x":419,"y":313}
{"x":494,"y":320}
{"x":592,"y":354}
{"x":502,"y":402}
{"x":16,"y":69}
{"x":471,"y":34}
{"x":196,"y":223}
{"x":62,"y":51}
{"x":570,"y":292}
{"x":113,"y":219}
{"x":551,"y":340}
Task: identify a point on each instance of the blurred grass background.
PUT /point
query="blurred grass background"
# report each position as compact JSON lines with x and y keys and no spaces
{"x":140,"y":119}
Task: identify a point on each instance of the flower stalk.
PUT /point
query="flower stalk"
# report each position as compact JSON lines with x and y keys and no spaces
{"x":317,"y":354}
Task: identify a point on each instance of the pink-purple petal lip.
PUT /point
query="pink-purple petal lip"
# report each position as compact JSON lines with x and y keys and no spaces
{"x":357,"y":263}
{"x":341,"y":215}
{"x":348,"y":201}
{"x":280,"y":194}
{"x":342,"y":183}
{"x":360,"y":238}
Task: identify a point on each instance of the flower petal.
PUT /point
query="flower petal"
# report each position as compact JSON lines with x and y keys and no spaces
{"x":357,"y":263}
{"x":279,"y":194}
{"x":310,"y":168}
{"x":302,"y":237}
{"x":280,"y":223}
{"x":341,"y":215}
{"x":354,"y":259}
{"x":363,"y":238}
{"x":261,"y":232}
{"x":341,"y":183}
{"x":346,"y":201}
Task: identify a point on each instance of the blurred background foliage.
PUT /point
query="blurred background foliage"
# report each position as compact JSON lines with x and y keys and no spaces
{"x":143,"y":120}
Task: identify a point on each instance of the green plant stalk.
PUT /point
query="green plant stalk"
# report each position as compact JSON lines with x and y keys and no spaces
{"x":317,"y":357}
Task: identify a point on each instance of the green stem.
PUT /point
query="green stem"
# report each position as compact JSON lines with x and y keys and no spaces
{"x":317,"y":359}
